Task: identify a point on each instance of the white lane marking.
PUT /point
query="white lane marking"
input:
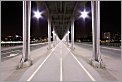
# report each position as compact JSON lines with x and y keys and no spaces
{"x":90,"y":76}
{"x":33,"y":74}
{"x":11,"y":55}
{"x":103,"y":47}
{"x":11,"y":52}
{"x":61,"y":75}
{"x":61,"y":71}
{"x":39,"y":43}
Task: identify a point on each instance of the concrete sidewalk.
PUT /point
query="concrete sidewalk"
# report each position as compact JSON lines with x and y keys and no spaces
{"x":113,"y":65}
{"x":53,"y":70}
{"x":8,"y":71}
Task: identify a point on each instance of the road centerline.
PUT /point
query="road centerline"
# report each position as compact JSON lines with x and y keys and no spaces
{"x":61,"y":71}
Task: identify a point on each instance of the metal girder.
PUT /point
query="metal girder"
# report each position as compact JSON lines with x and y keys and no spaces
{"x":61,"y":13}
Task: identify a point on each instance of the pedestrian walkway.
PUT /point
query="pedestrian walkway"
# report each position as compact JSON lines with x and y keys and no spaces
{"x":61,"y":65}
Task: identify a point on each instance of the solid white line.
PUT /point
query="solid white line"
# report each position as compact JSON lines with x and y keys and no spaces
{"x":11,"y":55}
{"x":39,"y":43}
{"x":90,"y":76}
{"x":61,"y":76}
{"x":33,"y":74}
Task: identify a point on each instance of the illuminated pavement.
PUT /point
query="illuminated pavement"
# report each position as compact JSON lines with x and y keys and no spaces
{"x":61,"y":65}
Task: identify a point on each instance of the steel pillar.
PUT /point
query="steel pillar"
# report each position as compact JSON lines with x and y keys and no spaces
{"x":53,"y":37}
{"x":96,"y":57}
{"x":72,"y":34}
{"x":26,"y":35}
{"x":95,"y":5}
{"x":68,"y":37}
{"x":49,"y":34}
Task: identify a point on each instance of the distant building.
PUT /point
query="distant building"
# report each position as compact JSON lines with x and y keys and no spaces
{"x":116,"y":36}
{"x":106,"y":35}
{"x":111,"y":36}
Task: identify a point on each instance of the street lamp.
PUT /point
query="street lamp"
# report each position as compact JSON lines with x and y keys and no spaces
{"x":84,"y":14}
{"x":38,"y":14}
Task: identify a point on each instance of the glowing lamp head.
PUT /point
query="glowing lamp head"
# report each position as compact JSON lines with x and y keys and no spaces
{"x":84,"y":14}
{"x":37,"y":14}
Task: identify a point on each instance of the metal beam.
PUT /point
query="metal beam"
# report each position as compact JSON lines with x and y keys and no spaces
{"x":53,"y":14}
{"x":60,"y":6}
{"x":64,"y":12}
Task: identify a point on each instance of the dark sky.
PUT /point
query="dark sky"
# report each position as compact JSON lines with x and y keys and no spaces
{"x":110,"y":18}
{"x":11,"y":19}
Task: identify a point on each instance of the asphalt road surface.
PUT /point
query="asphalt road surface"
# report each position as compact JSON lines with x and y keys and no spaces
{"x":11,"y":52}
{"x":109,"y":51}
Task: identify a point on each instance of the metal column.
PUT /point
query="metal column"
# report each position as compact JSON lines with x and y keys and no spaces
{"x":49,"y":34}
{"x":68,"y":37}
{"x":26,"y":29}
{"x":53,"y":37}
{"x":95,"y":5}
{"x":26,"y":35}
{"x":72,"y":34}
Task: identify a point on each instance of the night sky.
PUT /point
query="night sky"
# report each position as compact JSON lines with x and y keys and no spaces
{"x":11,"y":19}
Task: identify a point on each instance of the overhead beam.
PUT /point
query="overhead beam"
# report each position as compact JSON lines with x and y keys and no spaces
{"x":64,"y":12}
